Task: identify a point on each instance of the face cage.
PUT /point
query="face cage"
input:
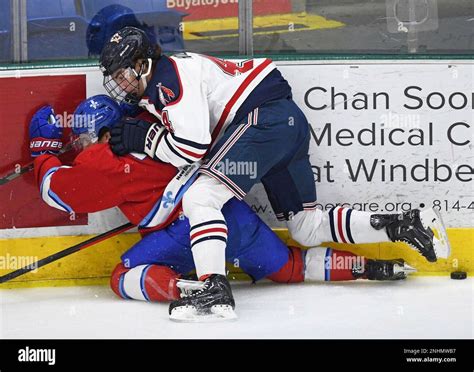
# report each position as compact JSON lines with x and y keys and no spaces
{"x":124,"y":90}
{"x":81,"y":141}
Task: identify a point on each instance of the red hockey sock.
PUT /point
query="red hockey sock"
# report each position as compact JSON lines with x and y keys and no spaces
{"x":145,"y":282}
{"x":293,"y":270}
{"x":326,"y":264}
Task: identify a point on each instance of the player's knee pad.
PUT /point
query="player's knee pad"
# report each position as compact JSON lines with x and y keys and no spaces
{"x":205,"y":192}
{"x":293,"y":270}
{"x":191,"y":200}
{"x":145,"y":283}
{"x":305,"y":226}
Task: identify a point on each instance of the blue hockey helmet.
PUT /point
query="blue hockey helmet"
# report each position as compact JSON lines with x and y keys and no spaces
{"x":93,"y":115}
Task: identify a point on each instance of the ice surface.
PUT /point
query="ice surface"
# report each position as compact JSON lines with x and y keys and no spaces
{"x":421,"y":307}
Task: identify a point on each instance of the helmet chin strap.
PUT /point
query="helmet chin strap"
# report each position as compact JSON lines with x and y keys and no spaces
{"x":142,"y":76}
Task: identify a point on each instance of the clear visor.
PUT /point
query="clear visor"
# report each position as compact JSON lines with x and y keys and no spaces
{"x":83,"y":140}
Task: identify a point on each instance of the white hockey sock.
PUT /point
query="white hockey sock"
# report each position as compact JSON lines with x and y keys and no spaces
{"x":132,"y":283}
{"x":342,"y":225}
{"x":351,"y":226}
{"x":209,"y":258}
{"x":208,"y":242}
{"x":202,"y":204}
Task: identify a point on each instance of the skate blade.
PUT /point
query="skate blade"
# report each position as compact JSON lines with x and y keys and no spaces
{"x":189,"y":314}
{"x":406,"y":269}
{"x":431,"y":218}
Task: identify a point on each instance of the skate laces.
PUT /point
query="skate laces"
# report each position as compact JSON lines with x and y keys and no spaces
{"x":191,"y":288}
{"x":410,"y":220}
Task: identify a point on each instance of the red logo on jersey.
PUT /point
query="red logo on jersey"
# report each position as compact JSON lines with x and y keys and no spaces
{"x":165,"y":94}
{"x":232,"y":68}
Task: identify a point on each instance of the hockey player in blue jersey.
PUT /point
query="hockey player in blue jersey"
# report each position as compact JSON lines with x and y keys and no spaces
{"x":231,"y":116}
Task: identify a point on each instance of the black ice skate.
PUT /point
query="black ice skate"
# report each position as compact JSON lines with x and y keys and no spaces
{"x":384,"y":270}
{"x":422,"y":230}
{"x":210,"y":300}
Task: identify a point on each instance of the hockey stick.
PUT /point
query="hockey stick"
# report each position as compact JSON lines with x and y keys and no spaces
{"x":28,"y":167}
{"x":65,"y":252}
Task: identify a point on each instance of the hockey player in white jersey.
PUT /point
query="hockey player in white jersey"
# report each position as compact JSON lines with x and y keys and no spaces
{"x":240,"y":121}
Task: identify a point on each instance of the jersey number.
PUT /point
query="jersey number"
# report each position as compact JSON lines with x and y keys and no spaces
{"x":232,"y":68}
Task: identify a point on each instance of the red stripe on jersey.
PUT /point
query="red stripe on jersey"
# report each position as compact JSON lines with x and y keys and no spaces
{"x":237,"y":95}
{"x":216,"y":229}
{"x":190,"y":153}
{"x":339,"y":224}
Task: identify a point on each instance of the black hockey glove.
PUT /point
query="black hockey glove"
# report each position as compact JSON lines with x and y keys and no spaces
{"x":129,"y":135}
{"x":132,"y":135}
